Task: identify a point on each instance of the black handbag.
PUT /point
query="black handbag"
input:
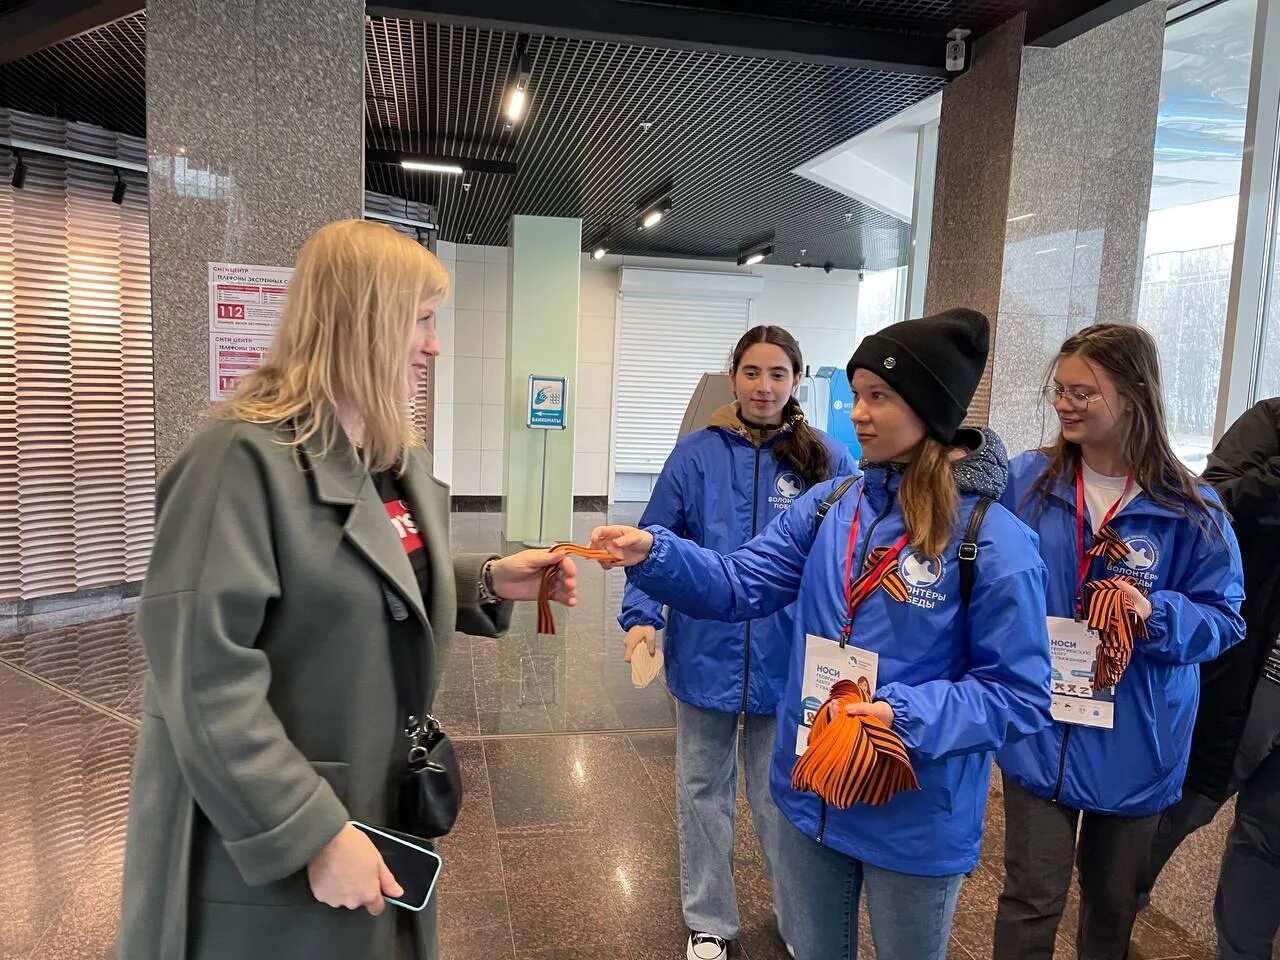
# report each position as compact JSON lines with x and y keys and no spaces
{"x":430,"y":794}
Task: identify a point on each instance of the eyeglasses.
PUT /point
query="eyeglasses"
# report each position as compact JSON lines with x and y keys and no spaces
{"x":1078,"y":400}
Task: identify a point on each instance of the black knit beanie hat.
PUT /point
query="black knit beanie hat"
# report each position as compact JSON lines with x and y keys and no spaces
{"x":934,"y":363}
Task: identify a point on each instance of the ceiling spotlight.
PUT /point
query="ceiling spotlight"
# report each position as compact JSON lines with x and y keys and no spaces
{"x":117,"y":194}
{"x":750,"y":256}
{"x":432,"y":166}
{"x":654,"y":206}
{"x":651,"y":217}
{"x":515,"y":104}
{"x":518,"y":94}
{"x":19,"y":172}
{"x":601,"y":246}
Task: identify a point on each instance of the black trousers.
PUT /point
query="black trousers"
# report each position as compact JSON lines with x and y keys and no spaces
{"x":1247,"y":908}
{"x":1043,"y":840}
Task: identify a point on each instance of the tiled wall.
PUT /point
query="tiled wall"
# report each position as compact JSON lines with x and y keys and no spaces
{"x":442,"y":447}
{"x":471,"y":370}
{"x":819,"y":308}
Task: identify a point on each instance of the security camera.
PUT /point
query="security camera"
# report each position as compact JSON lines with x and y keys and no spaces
{"x":956,"y":50}
{"x":828,"y":266}
{"x":862,"y":274}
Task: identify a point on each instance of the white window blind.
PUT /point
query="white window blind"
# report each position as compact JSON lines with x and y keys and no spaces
{"x":667,"y":341}
{"x":77,"y":456}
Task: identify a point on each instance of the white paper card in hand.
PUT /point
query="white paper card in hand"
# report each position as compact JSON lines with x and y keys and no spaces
{"x":645,"y":665}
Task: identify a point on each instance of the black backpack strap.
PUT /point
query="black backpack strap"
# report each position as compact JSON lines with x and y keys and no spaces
{"x":969,"y":547}
{"x":826,"y":504}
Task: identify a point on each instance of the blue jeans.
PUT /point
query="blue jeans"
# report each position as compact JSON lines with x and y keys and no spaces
{"x":910,"y":916}
{"x":706,"y":804}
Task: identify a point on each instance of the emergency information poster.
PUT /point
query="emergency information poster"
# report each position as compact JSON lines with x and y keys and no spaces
{"x":245,"y":303}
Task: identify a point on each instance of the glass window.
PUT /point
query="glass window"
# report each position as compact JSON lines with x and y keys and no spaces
{"x":881,"y":300}
{"x":1191,"y":226}
{"x":1267,"y":380}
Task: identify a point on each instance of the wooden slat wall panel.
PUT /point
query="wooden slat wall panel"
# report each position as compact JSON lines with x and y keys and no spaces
{"x":77,"y":458}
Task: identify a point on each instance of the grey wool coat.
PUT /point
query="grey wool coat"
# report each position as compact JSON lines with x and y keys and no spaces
{"x":270,"y":714}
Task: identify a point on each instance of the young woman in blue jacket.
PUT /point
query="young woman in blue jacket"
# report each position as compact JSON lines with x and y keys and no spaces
{"x":954,"y":679}
{"x":1091,"y":794}
{"x":719,"y":488}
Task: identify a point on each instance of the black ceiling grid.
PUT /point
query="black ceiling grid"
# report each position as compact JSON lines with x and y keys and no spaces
{"x":97,"y":77}
{"x":726,"y":129}
{"x":914,"y":16}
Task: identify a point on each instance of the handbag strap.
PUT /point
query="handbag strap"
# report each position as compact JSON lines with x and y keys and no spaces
{"x":831,"y":500}
{"x":969,"y":548}
{"x":419,"y":728}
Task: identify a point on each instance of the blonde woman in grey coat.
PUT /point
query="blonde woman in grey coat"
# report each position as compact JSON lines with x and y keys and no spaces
{"x":291,"y":533}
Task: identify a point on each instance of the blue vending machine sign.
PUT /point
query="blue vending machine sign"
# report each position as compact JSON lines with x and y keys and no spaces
{"x":548,"y":400}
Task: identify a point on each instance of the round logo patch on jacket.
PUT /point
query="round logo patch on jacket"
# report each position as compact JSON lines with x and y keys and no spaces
{"x":921,"y":573}
{"x":920,"y":570}
{"x":789,"y":485}
{"x":1140,"y":563}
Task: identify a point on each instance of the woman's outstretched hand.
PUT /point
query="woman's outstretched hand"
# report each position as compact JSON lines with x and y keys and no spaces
{"x":628,"y":545}
{"x":519,"y":576}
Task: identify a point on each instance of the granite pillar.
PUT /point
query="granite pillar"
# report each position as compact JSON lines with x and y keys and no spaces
{"x":971,"y":183}
{"x":255,"y":136}
{"x":1042,"y":188}
{"x":1080,"y":186}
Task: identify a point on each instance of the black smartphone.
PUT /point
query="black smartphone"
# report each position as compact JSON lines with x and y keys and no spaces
{"x":415,"y":867}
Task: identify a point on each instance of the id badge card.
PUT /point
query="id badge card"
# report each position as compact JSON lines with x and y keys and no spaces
{"x":1074,"y":654}
{"x":826,"y":663}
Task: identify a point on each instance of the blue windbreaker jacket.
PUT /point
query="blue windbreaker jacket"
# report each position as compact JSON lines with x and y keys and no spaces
{"x":1195,"y":584}
{"x":718,"y":489}
{"x":961,"y":681}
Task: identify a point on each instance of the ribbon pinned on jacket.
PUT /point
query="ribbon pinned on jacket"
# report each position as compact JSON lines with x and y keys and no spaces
{"x":1107,"y":544}
{"x":547,"y":623}
{"x":1110,"y":611}
{"x":852,"y":759}
{"x":889,"y":579}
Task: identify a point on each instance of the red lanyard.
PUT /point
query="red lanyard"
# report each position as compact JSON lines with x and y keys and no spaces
{"x":866,"y":585}
{"x":1084,"y":560}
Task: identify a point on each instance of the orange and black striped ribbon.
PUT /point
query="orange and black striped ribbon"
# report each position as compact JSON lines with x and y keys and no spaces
{"x":889,"y":579}
{"x":1108,"y":545}
{"x":1108,"y":610}
{"x":547,"y":623}
{"x":852,"y":759}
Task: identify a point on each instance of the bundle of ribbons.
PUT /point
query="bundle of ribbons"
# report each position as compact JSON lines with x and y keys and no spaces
{"x":1109,"y":610}
{"x":547,"y":623}
{"x":852,"y":759}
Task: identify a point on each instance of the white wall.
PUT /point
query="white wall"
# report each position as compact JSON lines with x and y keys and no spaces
{"x":444,"y":379}
{"x":820,"y":309}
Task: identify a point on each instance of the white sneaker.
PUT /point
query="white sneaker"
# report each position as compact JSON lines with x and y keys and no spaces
{"x":705,"y":946}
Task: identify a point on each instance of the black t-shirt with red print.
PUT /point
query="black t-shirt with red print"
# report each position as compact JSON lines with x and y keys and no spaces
{"x":402,"y":521}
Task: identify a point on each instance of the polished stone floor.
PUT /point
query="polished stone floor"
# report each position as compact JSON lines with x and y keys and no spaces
{"x":567,"y":845}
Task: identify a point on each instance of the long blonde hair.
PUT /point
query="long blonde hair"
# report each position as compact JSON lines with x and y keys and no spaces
{"x":929,"y":498}
{"x":344,"y":339}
